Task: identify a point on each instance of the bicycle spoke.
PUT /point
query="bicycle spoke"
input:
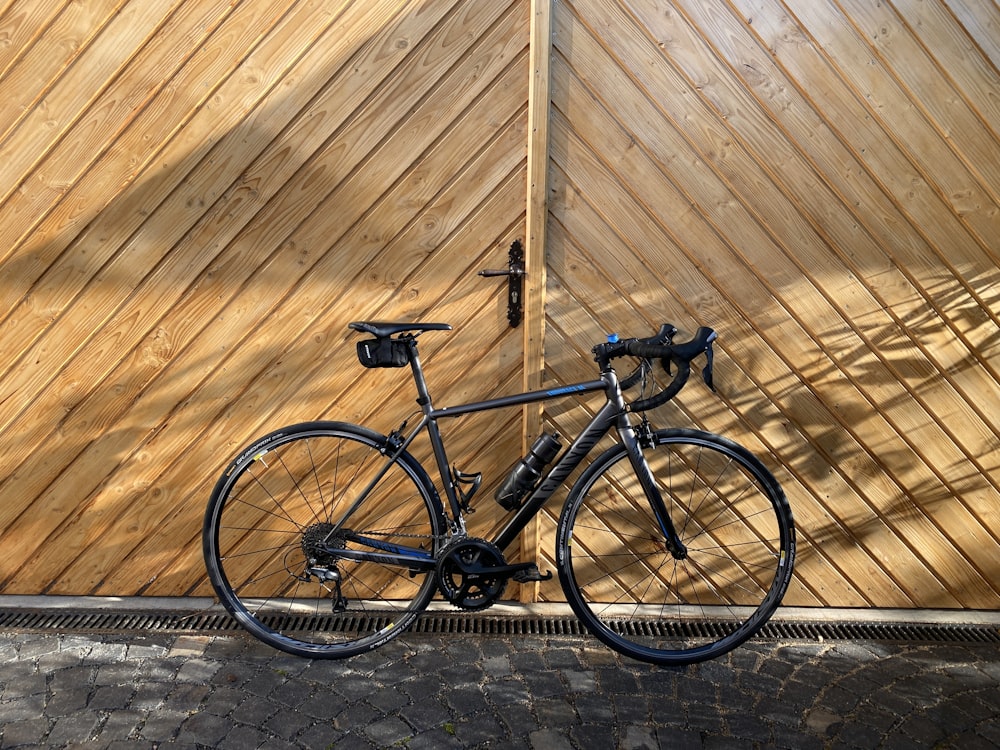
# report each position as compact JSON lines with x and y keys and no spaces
{"x":733,"y":521}
{"x":272,"y":544}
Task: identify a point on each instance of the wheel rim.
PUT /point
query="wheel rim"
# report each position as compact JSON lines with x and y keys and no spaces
{"x":633,"y":594}
{"x":263,"y":544}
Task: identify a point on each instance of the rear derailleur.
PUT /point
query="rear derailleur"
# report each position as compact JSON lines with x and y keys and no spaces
{"x":472,"y":573}
{"x":321,"y":565}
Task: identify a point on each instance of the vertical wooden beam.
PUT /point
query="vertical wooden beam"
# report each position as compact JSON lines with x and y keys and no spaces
{"x":540,"y":50}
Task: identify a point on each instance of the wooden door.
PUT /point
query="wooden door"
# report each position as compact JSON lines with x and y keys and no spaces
{"x":198,"y":197}
{"x":820,"y":181}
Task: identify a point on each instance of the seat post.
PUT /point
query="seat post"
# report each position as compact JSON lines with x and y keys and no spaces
{"x":423,"y":396}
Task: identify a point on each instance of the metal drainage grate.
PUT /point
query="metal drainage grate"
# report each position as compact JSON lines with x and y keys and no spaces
{"x":457,"y":623}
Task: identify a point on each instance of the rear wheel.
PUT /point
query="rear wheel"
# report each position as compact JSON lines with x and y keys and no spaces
{"x":276,"y":563}
{"x":632,"y":593}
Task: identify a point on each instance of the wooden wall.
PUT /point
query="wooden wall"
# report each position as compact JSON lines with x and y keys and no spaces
{"x":196,"y":197}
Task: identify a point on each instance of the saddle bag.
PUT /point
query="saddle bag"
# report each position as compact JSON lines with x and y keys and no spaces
{"x":383,"y":352}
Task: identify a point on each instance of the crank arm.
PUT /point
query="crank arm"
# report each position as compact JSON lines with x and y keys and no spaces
{"x":505,"y":571}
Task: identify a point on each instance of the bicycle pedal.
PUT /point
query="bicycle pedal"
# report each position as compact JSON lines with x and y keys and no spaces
{"x":532,"y":574}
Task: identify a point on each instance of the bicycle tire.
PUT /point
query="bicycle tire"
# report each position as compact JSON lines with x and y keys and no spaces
{"x":632,"y":594}
{"x":284,"y":493}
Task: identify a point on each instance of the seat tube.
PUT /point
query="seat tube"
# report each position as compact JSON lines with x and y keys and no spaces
{"x":434,"y":433}
{"x":648,"y":483}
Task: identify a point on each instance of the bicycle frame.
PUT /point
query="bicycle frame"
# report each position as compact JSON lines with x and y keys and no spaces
{"x":612,"y":414}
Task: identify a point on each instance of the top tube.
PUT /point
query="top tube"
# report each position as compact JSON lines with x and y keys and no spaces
{"x":517,"y":399}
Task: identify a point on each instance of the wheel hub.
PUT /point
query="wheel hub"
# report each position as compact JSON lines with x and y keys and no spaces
{"x":317,"y":543}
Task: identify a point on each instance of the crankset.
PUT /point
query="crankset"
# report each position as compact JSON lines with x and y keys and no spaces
{"x":472,"y":573}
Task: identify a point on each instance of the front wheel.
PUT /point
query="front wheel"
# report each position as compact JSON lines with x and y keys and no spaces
{"x":279,"y":552}
{"x":632,"y":593}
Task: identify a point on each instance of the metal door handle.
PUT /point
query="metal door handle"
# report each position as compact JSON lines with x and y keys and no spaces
{"x":515,"y":273}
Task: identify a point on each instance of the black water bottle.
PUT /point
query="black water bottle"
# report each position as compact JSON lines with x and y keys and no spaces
{"x":527,"y":471}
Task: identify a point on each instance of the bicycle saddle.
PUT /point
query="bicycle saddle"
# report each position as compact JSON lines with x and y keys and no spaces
{"x":381,"y":329}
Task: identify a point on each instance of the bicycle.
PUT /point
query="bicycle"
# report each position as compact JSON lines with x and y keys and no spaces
{"x":327,"y":539}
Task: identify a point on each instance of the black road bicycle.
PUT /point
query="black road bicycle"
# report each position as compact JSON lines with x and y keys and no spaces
{"x":326,"y":539}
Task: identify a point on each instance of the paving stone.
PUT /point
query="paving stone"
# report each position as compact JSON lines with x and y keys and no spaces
{"x":115,"y":673}
{"x":234,"y":673}
{"x":253,"y":711}
{"x":111,"y":697}
{"x":121,"y":725}
{"x":555,"y":712}
{"x":287,"y":724}
{"x":142,"y":651}
{"x":28,"y":732}
{"x":241,"y":738}
{"x":186,"y":698}
{"x":355,"y":718}
{"x":222,"y":700}
{"x":578,"y":680}
{"x":425,"y":714}
{"x":20,"y":686}
{"x":292,"y":693}
{"x":395,"y":673}
{"x":322,"y":705}
{"x":151,"y":695}
{"x":684,"y":739}
{"x":549,"y":739}
{"x":594,"y":736}
{"x":435,"y":740}
{"x":593,"y":707}
{"x":507,"y":692}
{"x":71,"y":678}
{"x":56,"y":660}
{"x":318,"y":735}
{"x":103,"y":653}
{"x":162,"y":725}
{"x":389,"y":732}
{"x":203,"y":729}
{"x":388,"y":699}
{"x":76,"y":727}
{"x":423,"y":686}
{"x":748,"y":726}
{"x":861,"y":735}
{"x":544,"y":684}
{"x":66,"y":702}
{"x":135,"y":690}
{"x":198,"y":671}
{"x":477,"y":731}
{"x":354,"y":687}
{"x":639,"y":737}
{"x":351,"y":741}
{"x":562,"y":658}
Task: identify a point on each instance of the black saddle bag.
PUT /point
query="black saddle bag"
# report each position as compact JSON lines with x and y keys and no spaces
{"x":384,"y":352}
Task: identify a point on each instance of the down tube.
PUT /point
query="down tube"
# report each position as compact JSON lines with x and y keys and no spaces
{"x":599,"y":426}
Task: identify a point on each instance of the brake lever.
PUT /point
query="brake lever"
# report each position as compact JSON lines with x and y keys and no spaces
{"x":707,"y":370}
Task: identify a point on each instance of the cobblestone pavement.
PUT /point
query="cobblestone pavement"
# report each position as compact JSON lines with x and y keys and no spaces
{"x":226,"y":691}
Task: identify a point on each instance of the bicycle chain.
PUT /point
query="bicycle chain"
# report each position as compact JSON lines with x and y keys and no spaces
{"x":400,"y":534}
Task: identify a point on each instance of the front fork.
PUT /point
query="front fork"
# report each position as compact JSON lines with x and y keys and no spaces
{"x":634,"y":444}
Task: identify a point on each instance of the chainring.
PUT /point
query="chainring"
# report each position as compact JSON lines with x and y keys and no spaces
{"x":463,"y":573}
